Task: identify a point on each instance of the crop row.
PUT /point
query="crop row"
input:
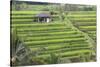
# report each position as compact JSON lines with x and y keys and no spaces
{"x":88,"y":27}
{"x":84,"y":19}
{"x":82,"y":12}
{"x":40,"y":29}
{"x":91,"y":32}
{"x":55,"y":41}
{"x":32,"y":32}
{"x":66,"y":54}
{"x":25,"y":12}
{"x":81,"y":15}
{"x":30,"y":21}
{"x":51,"y":37}
{"x":49,"y":33}
{"x":59,"y":46}
{"x":27,"y":16}
{"x":64,"y":50}
{"x":38,"y":24}
{"x":20,"y":20}
{"x":51,"y":46}
{"x":85,"y":23}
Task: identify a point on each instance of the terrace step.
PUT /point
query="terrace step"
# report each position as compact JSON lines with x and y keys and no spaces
{"x":51,"y":37}
{"x":66,"y":54}
{"x":55,"y":41}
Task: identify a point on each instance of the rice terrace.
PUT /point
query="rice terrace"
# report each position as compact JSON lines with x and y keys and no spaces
{"x":52,"y":33}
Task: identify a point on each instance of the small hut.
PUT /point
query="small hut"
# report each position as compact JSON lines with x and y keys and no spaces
{"x":43,"y":17}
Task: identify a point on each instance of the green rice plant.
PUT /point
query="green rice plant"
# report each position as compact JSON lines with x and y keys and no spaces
{"x":67,"y":54}
{"x":84,"y":19}
{"x":58,"y":46}
{"x":40,"y":29}
{"x":38,"y":24}
{"x":88,"y":27}
{"x":22,"y":20}
{"x":68,"y":59}
{"x":25,"y":12}
{"x":82,"y":12}
{"x":81,"y":16}
{"x":52,"y":46}
{"x":50,"y":33}
{"x":64,"y":50}
{"x":39,"y":33}
{"x":35,"y":26}
{"x":22,"y":16}
{"x":53,"y":59}
{"x":54,"y":41}
{"x":84,"y":23}
{"x":52,"y":37}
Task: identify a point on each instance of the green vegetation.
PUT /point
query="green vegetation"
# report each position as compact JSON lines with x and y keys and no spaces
{"x":69,"y":37}
{"x":86,"y":24}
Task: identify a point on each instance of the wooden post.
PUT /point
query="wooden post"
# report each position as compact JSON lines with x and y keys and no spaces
{"x":38,"y":20}
{"x":48,"y":20}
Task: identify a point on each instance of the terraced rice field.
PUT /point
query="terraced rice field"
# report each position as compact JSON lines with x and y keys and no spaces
{"x":84,"y":21}
{"x":56,"y":37}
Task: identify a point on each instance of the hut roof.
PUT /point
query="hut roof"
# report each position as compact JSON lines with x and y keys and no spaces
{"x":43,"y":15}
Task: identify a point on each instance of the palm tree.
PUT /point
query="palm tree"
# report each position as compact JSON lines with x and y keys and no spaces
{"x":20,"y":54}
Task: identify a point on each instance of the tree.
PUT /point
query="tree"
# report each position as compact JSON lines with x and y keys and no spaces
{"x":62,"y":12}
{"x":23,"y":6}
{"x":20,"y":54}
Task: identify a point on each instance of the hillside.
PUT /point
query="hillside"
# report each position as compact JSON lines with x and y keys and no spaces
{"x":64,"y":39}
